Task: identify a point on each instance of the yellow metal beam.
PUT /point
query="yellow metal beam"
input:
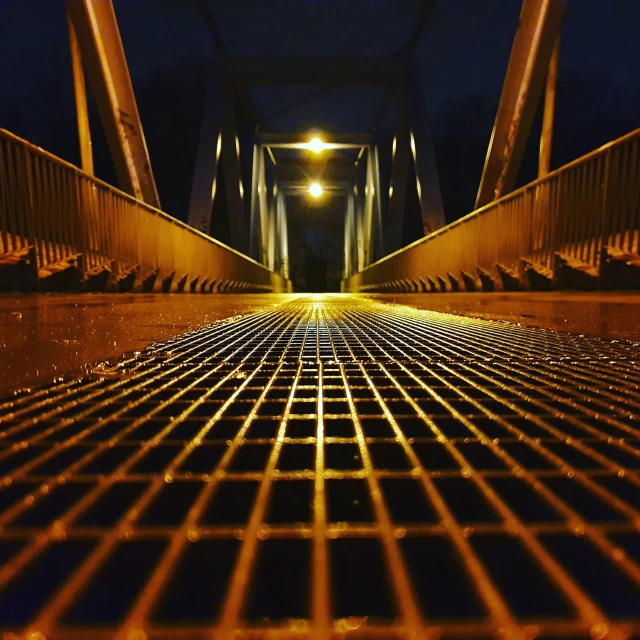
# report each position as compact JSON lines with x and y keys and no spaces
{"x":544,"y":161}
{"x":80,"y":90}
{"x":95,"y":24}
{"x":538,"y":31}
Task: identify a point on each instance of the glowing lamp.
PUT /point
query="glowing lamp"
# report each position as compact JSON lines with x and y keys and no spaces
{"x":316,"y":145}
{"x":315,"y":189}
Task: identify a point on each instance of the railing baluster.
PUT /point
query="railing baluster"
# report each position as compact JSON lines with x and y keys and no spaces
{"x":572,"y":210}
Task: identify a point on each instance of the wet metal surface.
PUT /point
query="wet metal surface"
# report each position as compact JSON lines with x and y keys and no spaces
{"x":330,"y":467}
{"x":42,"y":336}
{"x":605,"y":315}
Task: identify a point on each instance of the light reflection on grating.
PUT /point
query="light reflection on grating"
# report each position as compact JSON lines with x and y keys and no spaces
{"x":331,"y":467}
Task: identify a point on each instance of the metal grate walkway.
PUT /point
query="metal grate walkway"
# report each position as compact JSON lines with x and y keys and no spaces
{"x":330,"y":467}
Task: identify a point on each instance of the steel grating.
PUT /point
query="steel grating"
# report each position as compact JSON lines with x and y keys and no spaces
{"x":329,"y":467}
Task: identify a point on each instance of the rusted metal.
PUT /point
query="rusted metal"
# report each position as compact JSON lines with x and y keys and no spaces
{"x":69,"y":219}
{"x":103,"y":56}
{"x":571,"y":213}
{"x":538,"y":31}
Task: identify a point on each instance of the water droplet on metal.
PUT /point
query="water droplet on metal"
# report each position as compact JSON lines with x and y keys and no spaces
{"x":193,"y":534}
{"x":57,"y":531}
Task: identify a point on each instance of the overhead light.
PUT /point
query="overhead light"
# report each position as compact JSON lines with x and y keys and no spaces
{"x":316,"y":145}
{"x":315,"y":189}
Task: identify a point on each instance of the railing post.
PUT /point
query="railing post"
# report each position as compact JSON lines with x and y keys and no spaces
{"x":34,"y":251}
{"x":606,"y":178}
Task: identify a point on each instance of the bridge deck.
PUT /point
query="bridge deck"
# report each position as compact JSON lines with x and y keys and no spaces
{"x":329,"y":467}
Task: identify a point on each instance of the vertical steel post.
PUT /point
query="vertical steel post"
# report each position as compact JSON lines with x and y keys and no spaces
{"x":349,"y":230}
{"x":103,"y":55}
{"x":399,"y":173}
{"x":255,"y":230}
{"x":272,"y":227}
{"x":373,"y":167}
{"x":424,"y":157}
{"x":546,"y":137}
{"x":204,"y":185}
{"x":80,"y":92}
{"x":359,"y":228}
{"x":368,"y":217}
{"x":263,"y":205}
{"x":233,"y":179}
{"x":538,"y":30}
{"x":283,"y":237}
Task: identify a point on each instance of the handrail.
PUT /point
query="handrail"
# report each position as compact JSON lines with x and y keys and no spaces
{"x":53,"y":211}
{"x":573,"y":212}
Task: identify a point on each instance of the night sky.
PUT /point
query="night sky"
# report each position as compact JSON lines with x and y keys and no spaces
{"x":463,"y":54}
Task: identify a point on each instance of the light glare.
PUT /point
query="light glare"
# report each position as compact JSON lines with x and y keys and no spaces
{"x":316,"y":145}
{"x":315,"y":189}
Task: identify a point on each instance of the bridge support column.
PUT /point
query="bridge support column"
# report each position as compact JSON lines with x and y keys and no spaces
{"x":373,"y":206}
{"x":360,"y":236}
{"x":271,"y":227}
{"x":538,"y":31}
{"x":546,"y":137}
{"x":204,"y":185}
{"x":350,"y":240}
{"x":399,"y":172}
{"x":80,"y":91}
{"x":233,"y":178}
{"x":259,"y":206}
{"x":424,"y":157}
{"x":283,"y":238}
{"x":95,"y":24}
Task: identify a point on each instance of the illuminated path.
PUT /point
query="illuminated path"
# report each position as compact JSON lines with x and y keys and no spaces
{"x":329,"y":467}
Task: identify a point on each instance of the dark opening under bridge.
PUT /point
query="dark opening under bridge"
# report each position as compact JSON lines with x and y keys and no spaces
{"x":297,"y":465}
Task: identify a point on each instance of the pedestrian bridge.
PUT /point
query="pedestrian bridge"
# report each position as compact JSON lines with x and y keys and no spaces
{"x":449,"y":448}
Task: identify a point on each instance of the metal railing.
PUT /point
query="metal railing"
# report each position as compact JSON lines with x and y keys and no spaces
{"x":578,"y":212}
{"x":54,"y":217}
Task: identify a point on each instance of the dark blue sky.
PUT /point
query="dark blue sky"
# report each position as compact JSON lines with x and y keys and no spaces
{"x":464,"y":49}
{"x":463,"y":54}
